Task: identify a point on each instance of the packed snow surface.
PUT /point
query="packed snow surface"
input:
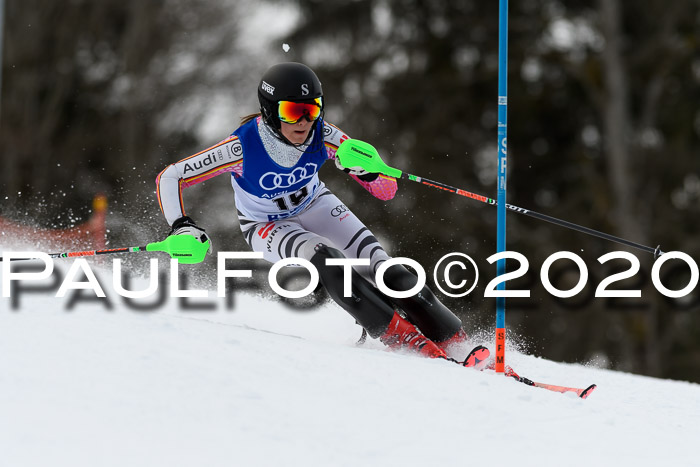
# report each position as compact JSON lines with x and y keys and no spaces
{"x":262,"y":385}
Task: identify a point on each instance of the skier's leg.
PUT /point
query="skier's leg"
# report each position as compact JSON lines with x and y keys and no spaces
{"x":332,"y":219}
{"x":369,"y":307}
{"x":277,"y":240}
{"x":287,"y":238}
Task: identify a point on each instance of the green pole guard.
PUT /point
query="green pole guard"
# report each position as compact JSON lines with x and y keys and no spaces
{"x":186,"y":249}
{"x":356,"y":153}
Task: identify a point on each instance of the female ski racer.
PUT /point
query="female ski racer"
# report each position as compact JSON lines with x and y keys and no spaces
{"x":285,"y":211}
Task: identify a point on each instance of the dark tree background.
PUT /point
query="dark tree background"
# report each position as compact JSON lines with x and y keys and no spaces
{"x":603,"y":131}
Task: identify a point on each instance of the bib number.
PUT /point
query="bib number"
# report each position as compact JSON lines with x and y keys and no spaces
{"x":294,"y":199}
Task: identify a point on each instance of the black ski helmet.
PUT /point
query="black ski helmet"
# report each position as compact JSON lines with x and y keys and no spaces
{"x":288,"y":81}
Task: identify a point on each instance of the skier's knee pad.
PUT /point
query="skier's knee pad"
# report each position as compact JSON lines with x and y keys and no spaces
{"x":424,"y":309}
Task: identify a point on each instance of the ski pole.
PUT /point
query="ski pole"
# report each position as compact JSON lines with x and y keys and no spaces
{"x":76,"y":254}
{"x":185,"y":248}
{"x":355,"y":153}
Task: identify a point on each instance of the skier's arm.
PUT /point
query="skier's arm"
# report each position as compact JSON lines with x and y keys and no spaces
{"x":380,"y":186}
{"x":226,"y":156}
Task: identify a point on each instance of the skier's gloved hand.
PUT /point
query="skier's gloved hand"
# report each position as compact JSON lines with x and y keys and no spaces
{"x":186,"y":226}
{"x":359,"y":172}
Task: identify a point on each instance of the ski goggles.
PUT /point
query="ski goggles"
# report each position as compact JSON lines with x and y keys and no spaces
{"x":292,"y":112}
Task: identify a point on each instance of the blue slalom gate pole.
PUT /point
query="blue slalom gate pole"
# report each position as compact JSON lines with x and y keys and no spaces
{"x":502,"y":179}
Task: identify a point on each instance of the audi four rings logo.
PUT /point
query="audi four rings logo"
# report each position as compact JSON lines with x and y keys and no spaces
{"x":338,"y":210}
{"x":273,"y":180}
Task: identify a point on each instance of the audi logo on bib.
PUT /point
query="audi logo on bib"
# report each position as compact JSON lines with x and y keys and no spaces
{"x":273,"y":180}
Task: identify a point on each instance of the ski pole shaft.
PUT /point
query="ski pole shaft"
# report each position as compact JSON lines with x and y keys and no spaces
{"x":484,"y":199}
{"x":186,"y":249}
{"x":355,"y":153}
{"x":77,"y":254}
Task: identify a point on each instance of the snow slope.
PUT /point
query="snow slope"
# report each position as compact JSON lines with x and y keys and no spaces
{"x":265,"y":386}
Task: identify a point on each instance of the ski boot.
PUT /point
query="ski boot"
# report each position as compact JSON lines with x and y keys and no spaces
{"x":403,"y":335}
{"x":454,"y":345}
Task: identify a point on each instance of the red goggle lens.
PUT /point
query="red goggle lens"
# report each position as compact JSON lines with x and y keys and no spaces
{"x":292,"y":112}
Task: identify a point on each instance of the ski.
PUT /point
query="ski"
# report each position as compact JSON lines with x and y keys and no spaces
{"x":479,"y":359}
{"x":582,"y":393}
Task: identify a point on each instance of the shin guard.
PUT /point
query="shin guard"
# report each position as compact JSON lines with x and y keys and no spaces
{"x":367,"y":305}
